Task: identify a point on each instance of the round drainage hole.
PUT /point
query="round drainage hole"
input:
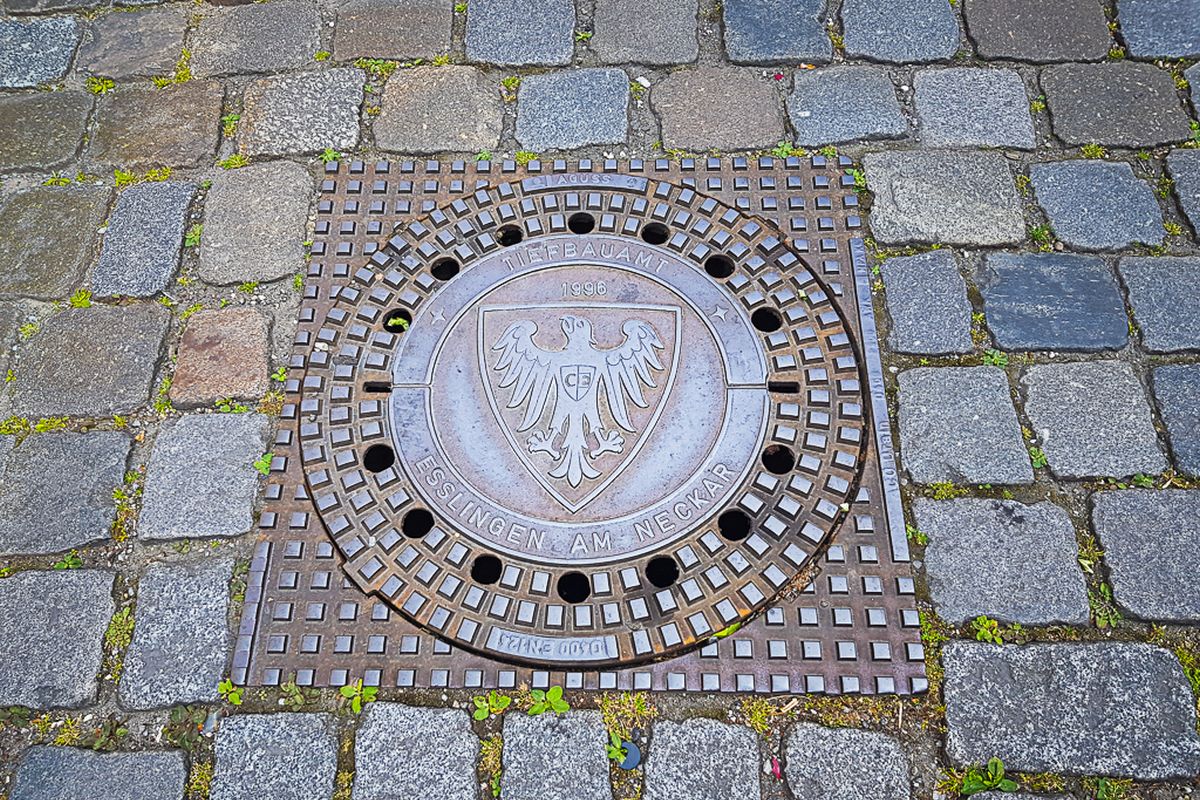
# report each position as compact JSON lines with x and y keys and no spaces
{"x":779,"y":459}
{"x":378,"y":457}
{"x":445,"y":269}
{"x":766,"y":320}
{"x":574,"y":587}
{"x":734,"y":525}
{"x":581,"y":223}
{"x":662,"y":571}
{"x":656,"y":233}
{"x":720,"y":267}
{"x":417,"y":523}
{"x":397,"y":320}
{"x":485,"y":569}
{"x":509,"y":235}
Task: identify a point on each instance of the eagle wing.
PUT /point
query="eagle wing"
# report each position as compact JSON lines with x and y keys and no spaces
{"x":526,"y":367}
{"x":628,"y":367}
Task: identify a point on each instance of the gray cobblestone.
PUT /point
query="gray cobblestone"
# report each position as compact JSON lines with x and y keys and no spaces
{"x":436,"y":109}
{"x":514,"y":33}
{"x":844,"y":764}
{"x":841,"y":104}
{"x":1097,"y":205}
{"x":437,"y":746}
{"x":399,"y":29}
{"x":57,"y":773}
{"x":259,"y":37}
{"x":1160,"y":28}
{"x":1119,"y":103}
{"x":566,"y":110}
{"x":1184,"y":168}
{"x":142,"y":243}
{"x":1166,"y":301}
{"x":771,"y":32}
{"x":902,"y":31}
{"x":47,"y":239}
{"x":1034,"y":30}
{"x":536,"y":747}
{"x":740,"y":110}
{"x":36,"y":51}
{"x":970,"y":107}
{"x":702,"y":758}
{"x":1177,"y":388}
{"x":631,"y":31}
{"x":138,"y":129}
{"x":303,"y":112}
{"x":43,"y":129}
{"x":135,"y":44}
{"x":927,"y":301}
{"x":277,"y":756}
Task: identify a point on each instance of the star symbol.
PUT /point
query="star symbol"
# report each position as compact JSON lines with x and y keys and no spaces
{"x":436,"y":316}
{"x":719,"y":313}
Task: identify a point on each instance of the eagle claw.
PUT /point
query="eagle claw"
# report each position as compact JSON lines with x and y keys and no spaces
{"x":608,"y":442}
{"x":541,"y":443}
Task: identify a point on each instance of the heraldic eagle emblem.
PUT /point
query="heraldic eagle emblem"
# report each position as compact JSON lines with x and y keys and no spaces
{"x":570,"y":382}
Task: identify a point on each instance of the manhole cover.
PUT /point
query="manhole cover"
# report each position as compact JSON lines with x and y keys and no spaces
{"x":581,"y":418}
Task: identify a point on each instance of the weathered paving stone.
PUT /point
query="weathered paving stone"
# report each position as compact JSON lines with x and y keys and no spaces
{"x":512,"y":32}
{"x":58,"y":491}
{"x":141,"y":245}
{"x":41,"y":130}
{"x":1093,"y":419}
{"x":1192,"y":74}
{"x":968,"y":107}
{"x":1184,"y":168}
{"x":58,"y":618}
{"x":303,"y":113}
{"x":1166,"y":301}
{"x":1030,"y":574}
{"x":254,"y":222}
{"x":768,"y":31}
{"x":841,"y":104}
{"x":201,"y":479}
{"x":1121,"y":103}
{"x":1076,"y":709}
{"x":284,"y":756}
{"x":36,"y":51}
{"x":53,"y":773}
{"x":439,"y":109}
{"x":1052,"y":301}
{"x":951,"y":198}
{"x":902,"y":31}
{"x":1177,"y":388}
{"x":566,"y":110}
{"x":740,"y":109}
{"x":1150,"y":540}
{"x":95,"y":361}
{"x":163,"y":668}
{"x":134,"y":44}
{"x":631,"y":31}
{"x":1097,"y":205}
{"x":702,"y":758}
{"x":397,"y":29}
{"x":957,"y":424}
{"x":47,"y":238}
{"x":1034,"y":30}
{"x":927,"y":301}
{"x":259,"y":37}
{"x":223,"y":354}
{"x":437,"y":747}
{"x":844,"y":764}
{"x":1160,"y":28}
{"x":535,"y":747}
{"x":172,"y":127}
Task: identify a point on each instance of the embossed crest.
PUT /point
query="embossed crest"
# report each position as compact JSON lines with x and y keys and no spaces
{"x":578,"y":388}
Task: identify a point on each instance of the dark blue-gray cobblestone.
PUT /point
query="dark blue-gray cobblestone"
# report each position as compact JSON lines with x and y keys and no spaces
{"x":1165,"y":296}
{"x":1075,"y":709}
{"x":36,"y":51}
{"x":1093,"y":419}
{"x":1177,"y":390}
{"x":143,"y":240}
{"x":844,"y":764}
{"x":702,"y":758}
{"x":776,"y":31}
{"x":840,"y":104}
{"x":1184,"y":169}
{"x":1034,"y":30}
{"x":971,"y":107}
{"x":1160,"y":28}
{"x":566,"y":110}
{"x":59,"y":773}
{"x":1052,"y":301}
{"x":957,"y":424}
{"x":1097,"y":205}
{"x":277,"y":756}
{"x":1030,"y":575}
{"x":438,"y":749}
{"x":928,"y":305}
{"x":1118,"y":103}
{"x":1150,"y":541}
{"x":516,"y":33}
{"x":901,"y":31}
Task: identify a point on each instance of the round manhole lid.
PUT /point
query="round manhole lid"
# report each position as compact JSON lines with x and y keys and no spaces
{"x":582,"y":424}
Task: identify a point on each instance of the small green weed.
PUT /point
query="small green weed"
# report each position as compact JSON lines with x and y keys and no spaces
{"x":1093,"y":150}
{"x":181,"y":74}
{"x":162,"y":398}
{"x":1038,"y":105}
{"x":235,"y":161}
{"x":490,"y":762}
{"x":192,"y":237}
{"x":81,"y":298}
{"x":358,"y":695}
{"x":1042,"y":236}
{"x":57,"y":179}
{"x":1037,"y":457}
{"x":263,"y":464}
{"x":185,"y":724}
{"x":460,"y":8}
{"x":945,"y":490}
{"x":493,"y":703}
{"x":986,"y":630}
{"x":377,"y":68}
{"x":230,"y":693}
{"x":248,"y":287}
{"x":983,"y":779}
{"x":995,"y":358}
{"x":523,"y":157}
{"x":1104,"y":608}
{"x":229,"y":124}
{"x":329,"y":155}
{"x":441,"y":60}
{"x":916,"y":536}
{"x":70,"y":561}
{"x":227,"y":405}
{"x":549,"y":700}
{"x":757,"y":713}
{"x":1108,"y":788}
{"x":583,"y":36}
{"x":322,"y":55}
{"x":99,"y":86}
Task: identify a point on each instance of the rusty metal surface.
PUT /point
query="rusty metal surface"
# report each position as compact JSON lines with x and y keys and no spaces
{"x":853,"y":629}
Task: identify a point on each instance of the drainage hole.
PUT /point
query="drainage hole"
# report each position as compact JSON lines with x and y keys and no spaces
{"x":574,"y":587}
{"x":445,"y":269}
{"x":656,"y":233}
{"x":397,"y":320}
{"x":581,"y":223}
{"x":779,"y":459}
{"x":485,"y":569}
{"x":734,"y":525}
{"x":766,"y":320}
{"x":662,"y":571}
{"x":509,"y":235}
{"x":417,"y":523}
{"x":720,"y":267}
{"x":783,"y":387}
{"x":378,"y":457}
{"x":377,"y":387}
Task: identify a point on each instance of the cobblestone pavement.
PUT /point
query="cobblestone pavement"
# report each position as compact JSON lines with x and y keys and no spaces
{"x":1032,"y":173}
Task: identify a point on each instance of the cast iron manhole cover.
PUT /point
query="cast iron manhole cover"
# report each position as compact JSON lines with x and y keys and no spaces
{"x":582,"y":419}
